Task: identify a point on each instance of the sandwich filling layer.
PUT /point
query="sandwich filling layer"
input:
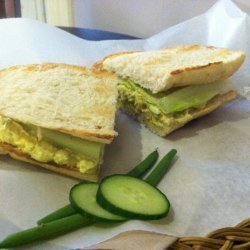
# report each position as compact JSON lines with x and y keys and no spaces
{"x":48,"y":146}
{"x":169,"y":108}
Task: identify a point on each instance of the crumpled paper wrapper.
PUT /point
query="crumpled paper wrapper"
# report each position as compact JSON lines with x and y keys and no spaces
{"x":208,"y":186}
{"x":136,"y":239}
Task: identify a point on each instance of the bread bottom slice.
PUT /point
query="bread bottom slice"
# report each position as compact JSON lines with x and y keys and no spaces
{"x":64,"y":170}
{"x":211,"y":105}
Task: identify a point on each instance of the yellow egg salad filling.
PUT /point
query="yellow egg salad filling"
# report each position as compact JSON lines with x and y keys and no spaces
{"x":165,"y":108}
{"x":49,"y":146}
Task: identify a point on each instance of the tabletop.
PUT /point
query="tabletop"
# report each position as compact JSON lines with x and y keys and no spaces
{"x":95,"y":34}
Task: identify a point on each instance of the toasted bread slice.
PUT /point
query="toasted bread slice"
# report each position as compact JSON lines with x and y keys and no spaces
{"x":174,"y":67}
{"x":67,"y":98}
{"x":63,"y":170}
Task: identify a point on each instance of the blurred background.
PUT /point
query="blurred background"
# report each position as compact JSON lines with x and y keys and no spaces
{"x":140,"y":18}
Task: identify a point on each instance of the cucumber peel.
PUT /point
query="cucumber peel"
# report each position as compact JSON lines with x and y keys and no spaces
{"x":132,"y":198}
{"x":83,"y":200}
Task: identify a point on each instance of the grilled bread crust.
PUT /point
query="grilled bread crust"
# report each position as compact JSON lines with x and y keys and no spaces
{"x":175,"y":66}
{"x":71,"y":99}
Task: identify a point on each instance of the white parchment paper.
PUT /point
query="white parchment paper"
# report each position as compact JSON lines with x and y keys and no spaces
{"x":209,"y":185}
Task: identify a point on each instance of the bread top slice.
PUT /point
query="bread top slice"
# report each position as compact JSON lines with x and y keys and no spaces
{"x":67,"y":98}
{"x":176,"y":66}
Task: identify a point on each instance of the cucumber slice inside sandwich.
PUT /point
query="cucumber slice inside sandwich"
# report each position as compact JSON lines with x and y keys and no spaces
{"x":176,"y":99}
{"x":90,"y":149}
{"x":132,"y":198}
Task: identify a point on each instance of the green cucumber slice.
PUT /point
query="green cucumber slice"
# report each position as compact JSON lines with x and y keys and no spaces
{"x":90,"y":149}
{"x":132,"y":198}
{"x":176,"y":100}
{"x":83,"y":199}
{"x":188,"y":97}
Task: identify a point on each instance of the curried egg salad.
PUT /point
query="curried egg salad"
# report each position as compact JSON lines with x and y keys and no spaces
{"x":48,"y":146}
{"x":169,"y":107}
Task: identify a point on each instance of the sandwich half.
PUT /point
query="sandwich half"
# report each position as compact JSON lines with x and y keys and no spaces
{"x":57,"y":116}
{"x":167,"y":88}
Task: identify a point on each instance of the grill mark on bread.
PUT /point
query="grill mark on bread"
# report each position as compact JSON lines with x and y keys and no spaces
{"x":162,"y":69}
{"x":189,"y":47}
{"x":179,"y":71}
{"x":98,"y":66}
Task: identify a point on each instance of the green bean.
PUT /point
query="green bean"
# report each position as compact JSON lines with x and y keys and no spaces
{"x":160,"y":170}
{"x":58,"y":214}
{"x":142,"y":168}
{"x":45,"y":231}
